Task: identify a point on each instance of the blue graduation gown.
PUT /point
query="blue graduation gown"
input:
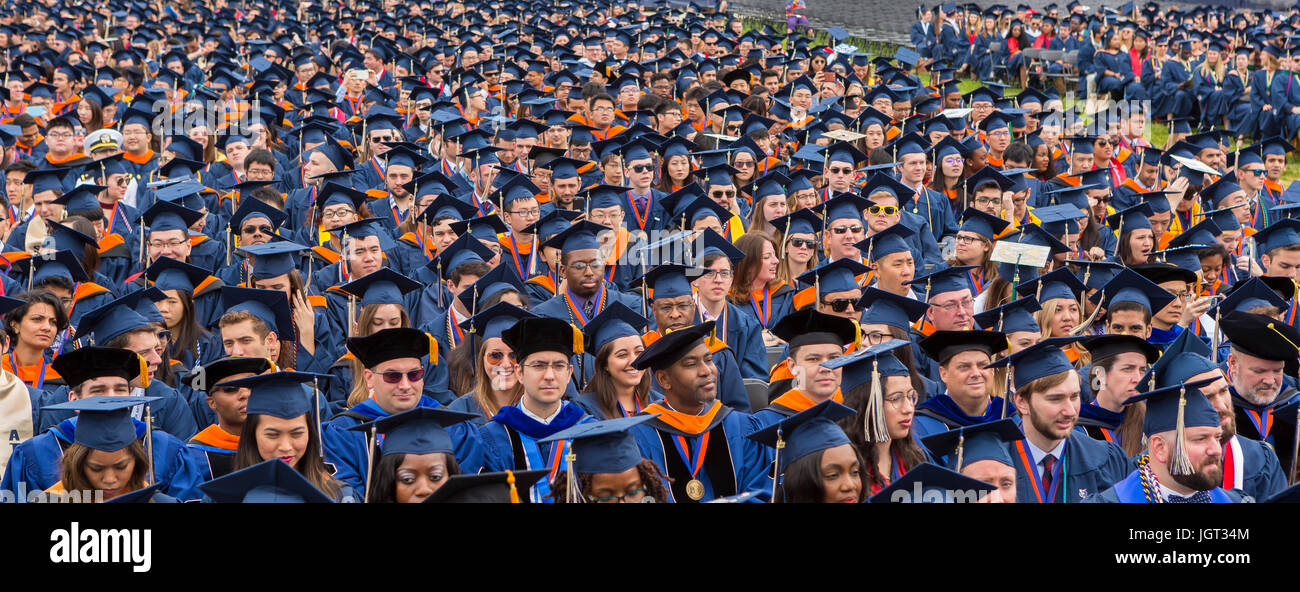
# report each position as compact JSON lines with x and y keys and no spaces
{"x":466,"y":403}
{"x":171,"y":414}
{"x":940,"y":413}
{"x":656,"y":219}
{"x":35,"y":463}
{"x":346,"y":449}
{"x":589,"y":404}
{"x":733,"y":464}
{"x":745,"y":338}
{"x":1262,"y":474}
{"x":1089,"y":466}
{"x":1129,"y":491}
{"x":558,"y":307}
{"x":935,"y":209}
{"x":509,"y":443}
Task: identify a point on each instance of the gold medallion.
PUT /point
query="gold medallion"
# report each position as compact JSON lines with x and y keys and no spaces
{"x":695,"y":489}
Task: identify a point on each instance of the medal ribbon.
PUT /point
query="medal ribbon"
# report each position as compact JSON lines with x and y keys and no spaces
{"x":641,"y":219}
{"x":695,"y":463}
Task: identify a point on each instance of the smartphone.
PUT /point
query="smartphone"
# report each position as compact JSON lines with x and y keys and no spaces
{"x":828,"y":77}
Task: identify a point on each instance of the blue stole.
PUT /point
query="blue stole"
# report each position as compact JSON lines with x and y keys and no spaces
{"x":945,"y":406}
{"x":530,"y":431}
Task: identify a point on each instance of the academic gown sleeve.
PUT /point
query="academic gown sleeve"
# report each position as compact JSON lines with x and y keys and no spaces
{"x":1264,"y":475}
{"x":175,"y":416}
{"x":731,"y":389}
{"x":748,"y":337}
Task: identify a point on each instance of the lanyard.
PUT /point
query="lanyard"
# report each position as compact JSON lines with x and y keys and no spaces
{"x":514,"y":254}
{"x":1058,"y":472}
{"x":701,"y":449}
{"x":374,"y":162}
{"x":765,"y":311}
{"x":641,"y":219}
{"x":577,"y":310}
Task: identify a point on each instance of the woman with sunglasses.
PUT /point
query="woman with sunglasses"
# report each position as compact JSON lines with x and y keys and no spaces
{"x":190,"y":344}
{"x":797,"y":233}
{"x":756,"y":289}
{"x":491,"y":362}
{"x":974,"y":246}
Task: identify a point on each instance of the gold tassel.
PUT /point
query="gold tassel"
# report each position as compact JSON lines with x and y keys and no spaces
{"x":574,"y":490}
{"x":874,"y":429}
{"x":514,"y":492}
{"x":577,"y":339}
{"x":144,"y":371}
{"x":857,"y":335}
{"x":1279,"y":334}
{"x":433,"y":349}
{"x":961,"y":444}
{"x":1181,"y":464}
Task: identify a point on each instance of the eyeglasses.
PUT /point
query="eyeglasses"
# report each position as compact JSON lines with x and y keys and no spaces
{"x":497,"y":356}
{"x":158,"y":244}
{"x":264,"y":229}
{"x":803,"y":243}
{"x":59,"y":135}
{"x":396,"y":377}
{"x":986,"y":201}
{"x":339,"y":213}
{"x":594,"y":264}
{"x":953,"y":160}
{"x":603,"y":109}
{"x":966,"y":239}
{"x":1184,"y":296}
{"x":876,"y":337}
{"x":641,"y":168}
{"x":840,"y":171}
{"x":632,"y":496}
{"x":856,"y":228}
{"x":841,"y":304}
{"x":886,"y":210}
{"x":728,"y":193}
{"x":668,"y":308}
{"x":1256,"y":172}
{"x":966,"y":304}
{"x":558,"y":367}
{"x":530,"y":213}
{"x":896,"y":399}
{"x":743,"y":164}
{"x":713,"y":274}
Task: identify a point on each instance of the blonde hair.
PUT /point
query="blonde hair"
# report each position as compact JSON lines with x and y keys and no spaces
{"x":483,"y":385}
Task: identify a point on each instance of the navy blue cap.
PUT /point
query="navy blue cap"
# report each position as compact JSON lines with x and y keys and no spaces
{"x":836,"y":276}
{"x":1184,"y":357}
{"x":65,"y":263}
{"x":1095,"y":274}
{"x":273,"y":259}
{"x":112,"y":319}
{"x":886,"y":242}
{"x":988,"y":174}
{"x":269,"y":306}
{"x":1044,"y":358}
{"x":667,"y":349}
{"x":801,"y":221}
{"x":485,"y":487}
{"x":280,"y":394}
{"x":950,"y":279}
{"x":531,"y":335}
{"x":580,"y":236}
{"x":1131,"y":218}
{"x":1059,"y":220}
{"x":495,"y":320}
{"x":615,"y":321}
{"x":268,"y":482}
{"x":1034,"y":234}
{"x":1176,"y":404}
{"x":982,"y":223}
{"x":1261,"y":336}
{"x":82,"y":197}
{"x":166,"y":215}
{"x":465,"y":248}
{"x":941,"y":346}
{"x":422,"y":430}
{"x":383,"y":286}
{"x":808,"y":326}
{"x":711,"y":243}
{"x":104,"y":422}
{"x":804,"y":433}
{"x":936,"y":484}
{"x":888,"y":308}
{"x":859,"y":366}
{"x":1220,"y":189}
{"x":1129,"y":286}
{"x":968,"y":444}
{"x":483,"y":227}
{"x":603,"y":447}
{"x":251,"y":209}
{"x":1249,"y":294}
{"x":669,"y":280}
{"x":1013,"y":317}
{"x":1059,"y":283}
{"x":1204,"y":233}
{"x":844,"y":206}
{"x":499,"y":279}
{"x":169,"y":274}
{"x":1282,"y":233}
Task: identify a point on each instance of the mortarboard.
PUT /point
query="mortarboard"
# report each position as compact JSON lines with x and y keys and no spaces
{"x":268,"y":482}
{"x":1044,"y":358}
{"x":806,"y":432}
{"x":104,"y":422}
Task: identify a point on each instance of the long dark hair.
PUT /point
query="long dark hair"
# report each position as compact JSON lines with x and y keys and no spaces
{"x":907,"y":449}
{"x":940,"y":183}
{"x":651,"y":479}
{"x":751,"y":244}
{"x":1125,"y":250}
{"x":383,"y":483}
{"x":188,"y":330}
{"x":802,"y":482}
{"x":1090,"y":237}
{"x":602,"y":384}
{"x":311,"y":465}
{"x":32,"y":297}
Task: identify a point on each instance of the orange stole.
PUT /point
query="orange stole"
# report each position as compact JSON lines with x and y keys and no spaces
{"x":685,"y":422}
{"x":216,"y":437}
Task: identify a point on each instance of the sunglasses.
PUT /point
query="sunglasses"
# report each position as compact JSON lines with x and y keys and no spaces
{"x":841,"y":304}
{"x":267,"y":230}
{"x":1256,"y":172}
{"x":856,"y":228}
{"x":886,"y":210}
{"x":641,"y":168}
{"x":496,"y":356}
{"x":720,"y":193}
{"x":839,"y":171}
{"x":804,"y":243}
{"x":396,"y":377}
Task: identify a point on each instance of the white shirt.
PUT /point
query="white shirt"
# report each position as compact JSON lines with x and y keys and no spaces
{"x":542,"y":420}
{"x":1039,"y":455}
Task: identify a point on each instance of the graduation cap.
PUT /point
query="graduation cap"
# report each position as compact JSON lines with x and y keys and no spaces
{"x":540,"y":334}
{"x":268,"y":482}
{"x":982,"y":223}
{"x":1129,"y":286}
{"x":937,"y":484}
{"x":1204,"y":233}
{"x":481,"y":488}
{"x":91,"y":362}
{"x":951,"y":279}
{"x":804,"y":433}
{"x":1252,"y":293}
{"x":941,"y":346}
{"x":579,"y":236}
{"x":212,"y":374}
{"x":886,"y":242}
{"x":1108,"y":346}
{"x":43,"y":180}
{"x":104,"y":422}
{"x":970,"y":444}
{"x":497,"y":280}
{"x":166,"y":215}
{"x":1173,"y":409}
{"x":169,"y":274}
{"x":843,"y":206}
{"x":483,"y":228}
{"x":614,"y":322}
{"x":988,"y":174}
{"x":1059,"y":283}
{"x":64,"y":263}
{"x":1160,"y":273}
{"x":273,"y":259}
{"x":1044,"y":358}
{"x":871,"y":366}
{"x":253,"y":209}
{"x":1261,"y":336}
{"x":834,"y":276}
{"x":1013,"y":317}
{"x":1221,"y":189}
{"x":1282,"y":233}
{"x":114,"y":318}
{"x":269,"y":306}
{"x":888,"y":308}
{"x":383,"y":286}
{"x":279,"y":394}
{"x":422,"y":430}
{"x":602,"y":447}
{"x":669,"y":348}
{"x":808,"y":326}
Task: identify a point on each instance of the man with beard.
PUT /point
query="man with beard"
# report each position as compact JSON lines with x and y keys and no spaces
{"x":1248,"y":465}
{"x":1264,"y":405}
{"x":1053,"y":456}
{"x":696,"y":441}
{"x":1185,"y":459}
